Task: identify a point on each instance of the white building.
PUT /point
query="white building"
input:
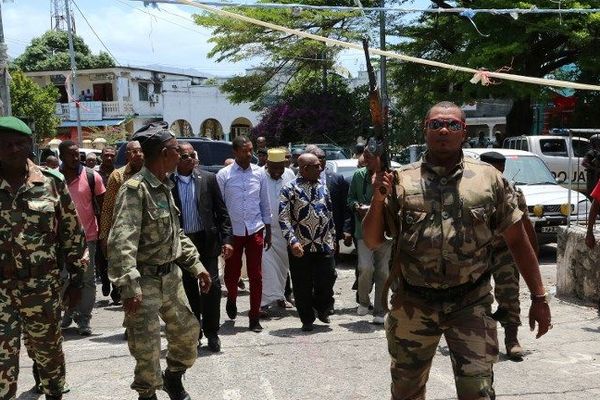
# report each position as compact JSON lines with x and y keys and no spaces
{"x":132,"y":97}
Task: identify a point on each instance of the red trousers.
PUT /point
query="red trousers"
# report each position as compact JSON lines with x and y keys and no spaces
{"x":252,"y":245}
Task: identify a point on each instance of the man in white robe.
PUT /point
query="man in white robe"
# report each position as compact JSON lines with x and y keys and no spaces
{"x":275,"y":263}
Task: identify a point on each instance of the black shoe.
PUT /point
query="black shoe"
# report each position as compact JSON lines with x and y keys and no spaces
{"x":231,"y":309}
{"x":115,"y":295}
{"x":214,"y":343}
{"x":153,"y":397}
{"x":173,"y":386}
{"x":54,"y":397}
{"x":324,"y":317}
{"x":307,"y":327}
{"x":255,"y":325}
{"x":105,"y":288}
{"x":241,"y":284}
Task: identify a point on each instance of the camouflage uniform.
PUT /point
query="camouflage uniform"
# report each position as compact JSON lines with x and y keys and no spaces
{"x":145,"y":245}
{"x":443,"y":225}
{"x":506,"y":275}
{"x":36,"y":224}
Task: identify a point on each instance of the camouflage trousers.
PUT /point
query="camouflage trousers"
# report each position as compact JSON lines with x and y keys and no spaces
{"x":32,"y":309}
{"x":506,"y":288}
{"x":164,"y":297}
{"x":413,"y":333}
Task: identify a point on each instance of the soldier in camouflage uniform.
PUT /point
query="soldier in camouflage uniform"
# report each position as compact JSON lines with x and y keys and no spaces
{"x":443,"y":213}
{"x":37,"y":222}
{"x":505,"y":271}
{"x":145,"y":247}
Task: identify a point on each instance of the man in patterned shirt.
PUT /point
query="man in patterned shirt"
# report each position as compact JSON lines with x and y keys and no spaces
{"x":306,"y":219}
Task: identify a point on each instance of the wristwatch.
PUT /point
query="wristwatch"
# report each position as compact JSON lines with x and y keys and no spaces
{"x":540,"y":298}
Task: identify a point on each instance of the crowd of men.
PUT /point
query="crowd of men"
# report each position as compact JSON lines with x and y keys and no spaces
{"x":152,"y":233}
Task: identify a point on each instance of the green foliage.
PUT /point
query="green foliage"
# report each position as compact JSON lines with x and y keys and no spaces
{"x":533,"y":45}
{"x":33,"y":103}
{"x":286,"y":55}
{"x":50,"y":52}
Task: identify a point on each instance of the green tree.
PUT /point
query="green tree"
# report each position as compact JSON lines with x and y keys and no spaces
{"x":50,"y":52}
{"x":285,"y":56}
{"x":534,"y":45}
{"x":34,"y":103}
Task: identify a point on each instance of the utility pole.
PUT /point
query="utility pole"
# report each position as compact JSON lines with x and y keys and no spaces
{"x":4,"y":83}
{"x":75,"y":88}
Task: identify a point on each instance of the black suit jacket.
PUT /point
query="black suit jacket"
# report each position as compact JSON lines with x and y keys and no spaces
{"x":338,"y":191}
{"x":212,"y":210}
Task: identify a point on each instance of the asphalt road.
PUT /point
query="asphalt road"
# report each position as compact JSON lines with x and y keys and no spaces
{"x":344,"y":360}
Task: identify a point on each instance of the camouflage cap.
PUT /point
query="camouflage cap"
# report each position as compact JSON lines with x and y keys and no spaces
{"x":153,"y":135}
{"x":15,"y":125}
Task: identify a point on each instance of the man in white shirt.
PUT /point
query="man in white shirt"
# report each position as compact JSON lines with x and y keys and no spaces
{"x":244,"y":189}
{"x":275,"y":262}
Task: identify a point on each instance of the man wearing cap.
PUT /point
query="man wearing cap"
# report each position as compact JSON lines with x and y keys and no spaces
{"x":275,"y":262}
{"x":146,"y":247}
{"x":505,"y":271}
{"x":38,"y":222}
{"x":205,"y":221}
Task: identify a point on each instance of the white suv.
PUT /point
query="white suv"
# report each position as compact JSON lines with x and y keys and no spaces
{"x":547,"y":201}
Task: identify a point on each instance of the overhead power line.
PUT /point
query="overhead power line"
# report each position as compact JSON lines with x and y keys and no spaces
{"x":94,"y":32}
{"x":400,"y":10}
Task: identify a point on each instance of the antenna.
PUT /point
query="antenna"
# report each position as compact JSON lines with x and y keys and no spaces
{"x":59,"y":16}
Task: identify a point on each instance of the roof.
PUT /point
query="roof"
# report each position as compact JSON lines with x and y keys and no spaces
{"x":86,"y":123}
{"x":151,"y":68}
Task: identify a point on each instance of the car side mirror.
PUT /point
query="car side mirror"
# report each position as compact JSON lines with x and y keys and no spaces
{"x":559,"y":180}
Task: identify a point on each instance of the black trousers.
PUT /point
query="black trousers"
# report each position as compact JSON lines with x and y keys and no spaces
{"x":205,"y":306}
{"x":313,"y":276}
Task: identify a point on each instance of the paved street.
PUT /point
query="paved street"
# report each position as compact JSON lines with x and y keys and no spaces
{"x":345,"y":360}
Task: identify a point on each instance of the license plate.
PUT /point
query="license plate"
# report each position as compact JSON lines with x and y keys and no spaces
{"x":549,"y":229}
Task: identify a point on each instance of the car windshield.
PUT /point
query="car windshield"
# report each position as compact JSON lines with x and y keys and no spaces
{"x":527,"y":170}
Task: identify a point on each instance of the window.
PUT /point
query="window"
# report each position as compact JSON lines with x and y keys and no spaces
{"x":523,"y":146}
{"x":157,"y":88}
{"x":143,"y":91}
{"x":554,"y":147}
{"x":580,"y":147}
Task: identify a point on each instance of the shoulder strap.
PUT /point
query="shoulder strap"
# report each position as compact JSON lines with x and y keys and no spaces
{"x":91,"y":179}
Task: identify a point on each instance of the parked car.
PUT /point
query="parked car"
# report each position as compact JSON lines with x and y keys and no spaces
{"x":346,"y":167}
{"x":410,"y":154}
{"x":547,"y":201}
{"x":211,"y":153}
{"x":332,"y":152}
{"x":555,"y":151}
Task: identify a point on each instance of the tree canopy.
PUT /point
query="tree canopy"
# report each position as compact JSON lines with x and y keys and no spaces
{"x":33,"y":103}
{"x":535,"y":45}
{"x":50,"y":52}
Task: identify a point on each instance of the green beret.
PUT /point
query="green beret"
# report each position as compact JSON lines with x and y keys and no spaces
{"x":13,"y":124}
{"x":153,"y":135}
{"x":492,"y":157}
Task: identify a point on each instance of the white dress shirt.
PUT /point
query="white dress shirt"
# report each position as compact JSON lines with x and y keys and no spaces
{"x":246,"y":196}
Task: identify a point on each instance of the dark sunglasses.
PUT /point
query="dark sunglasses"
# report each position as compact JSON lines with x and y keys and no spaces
{"x":453,"y":125}
{"x":186,"y":156}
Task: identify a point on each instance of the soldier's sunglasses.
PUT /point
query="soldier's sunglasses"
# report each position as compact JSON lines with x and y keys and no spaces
{"x":186,"y":156}
{"x":453,"y":125}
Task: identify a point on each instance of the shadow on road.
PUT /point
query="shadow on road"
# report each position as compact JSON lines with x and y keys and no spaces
{"x":362,"y":327}
{"x":293,"y":332}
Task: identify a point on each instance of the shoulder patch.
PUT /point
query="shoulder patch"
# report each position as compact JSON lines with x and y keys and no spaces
{"x":134,"y":181}
{"x":54,"y":174}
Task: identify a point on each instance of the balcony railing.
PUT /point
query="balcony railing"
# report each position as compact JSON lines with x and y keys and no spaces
{"x":95,"y":110}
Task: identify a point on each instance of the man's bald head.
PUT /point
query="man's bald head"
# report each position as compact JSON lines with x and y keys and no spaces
{"x":446,"y":105}
{"x":309,"y":167}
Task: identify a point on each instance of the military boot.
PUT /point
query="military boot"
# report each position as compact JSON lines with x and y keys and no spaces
{"x":54,"y":397}
{"x":153,"y":397}
{"x":514,"y":351}
{"x":173,"y":386}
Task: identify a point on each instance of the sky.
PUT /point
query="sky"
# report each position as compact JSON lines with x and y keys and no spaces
{"x":136,"y":35}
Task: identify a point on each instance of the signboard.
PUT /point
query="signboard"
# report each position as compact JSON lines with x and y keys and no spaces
{"x":88,"y":111}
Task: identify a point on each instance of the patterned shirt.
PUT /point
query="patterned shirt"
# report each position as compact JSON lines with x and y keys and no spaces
{"x":146,"y":232}
{"x":246,"y":197}
{"x":115,"y":180}
{"x":189,"y":205}
{"x":306,"y":217}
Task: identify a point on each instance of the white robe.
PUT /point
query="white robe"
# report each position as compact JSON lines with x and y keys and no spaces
{"x":275,"y":262}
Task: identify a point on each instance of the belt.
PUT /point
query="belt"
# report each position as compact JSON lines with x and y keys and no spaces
{"x":155,"y":270}
{"x":25,"y":272}
{"x":449,"y":294}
